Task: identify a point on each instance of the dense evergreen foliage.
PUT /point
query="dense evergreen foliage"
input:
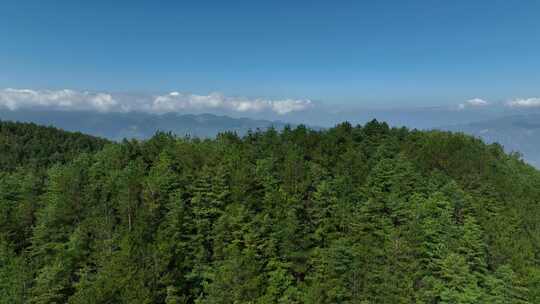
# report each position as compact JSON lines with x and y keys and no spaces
{"x":366,"y":214}
{"x":30,"y":145}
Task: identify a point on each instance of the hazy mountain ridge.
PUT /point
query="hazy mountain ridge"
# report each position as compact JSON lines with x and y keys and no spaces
{"x":117,"y":126}
{"x":517,"y":133}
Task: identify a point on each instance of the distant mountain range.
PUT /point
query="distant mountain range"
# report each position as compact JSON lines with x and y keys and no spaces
{"x":117,"y":126}
{"x":516,"y":133}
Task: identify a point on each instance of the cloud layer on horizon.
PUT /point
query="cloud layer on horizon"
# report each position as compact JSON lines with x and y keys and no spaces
{"x":474,"y":103}
{"x":175,"y":102}
{"x":524,"y":102}
{"x":533,"y":102}
{"x":178,"y":102}
{"x":72,"y":100}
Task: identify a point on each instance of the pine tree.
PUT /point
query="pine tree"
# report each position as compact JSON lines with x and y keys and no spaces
{"x":456,"y":283}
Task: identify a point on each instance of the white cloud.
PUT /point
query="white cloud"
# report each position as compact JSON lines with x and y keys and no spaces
{"x":477,"y":102}
{"x":524,"y":102}
{"x":473,"y":103}
{"x":175,"y":101}
{"x":289,"y":105}
{"x":14,"y":99}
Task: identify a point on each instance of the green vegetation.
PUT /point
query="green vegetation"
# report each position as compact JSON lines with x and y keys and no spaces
{"x":366,"y":214}
{"x":31,"y":146}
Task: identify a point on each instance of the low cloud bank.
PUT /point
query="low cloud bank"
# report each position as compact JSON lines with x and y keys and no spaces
{"x":15,"y":99}
{"x":72,"y":100}
{"x":175,"y":101}
{"x":524,"y":102}
{"x":474,"y":103}
{"x":532,"y":102}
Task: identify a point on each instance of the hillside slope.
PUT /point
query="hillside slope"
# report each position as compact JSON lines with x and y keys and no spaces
{"x":518,"y":133}
{"x":30,"y":145}
{"x":366,"y":214}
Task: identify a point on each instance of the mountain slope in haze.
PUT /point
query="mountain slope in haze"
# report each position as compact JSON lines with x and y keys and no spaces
{"x":518,"y":133}
{"x":117,"y":126}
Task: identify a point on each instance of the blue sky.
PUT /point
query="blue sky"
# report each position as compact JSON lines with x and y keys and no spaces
{"x":358,"y":53}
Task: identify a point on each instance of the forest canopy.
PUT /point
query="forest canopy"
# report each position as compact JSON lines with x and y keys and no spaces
{"x":352,"y":214}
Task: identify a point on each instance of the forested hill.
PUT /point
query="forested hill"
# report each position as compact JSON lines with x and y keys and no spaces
{"x":30,"y":145}
{"x":365,"y":214}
